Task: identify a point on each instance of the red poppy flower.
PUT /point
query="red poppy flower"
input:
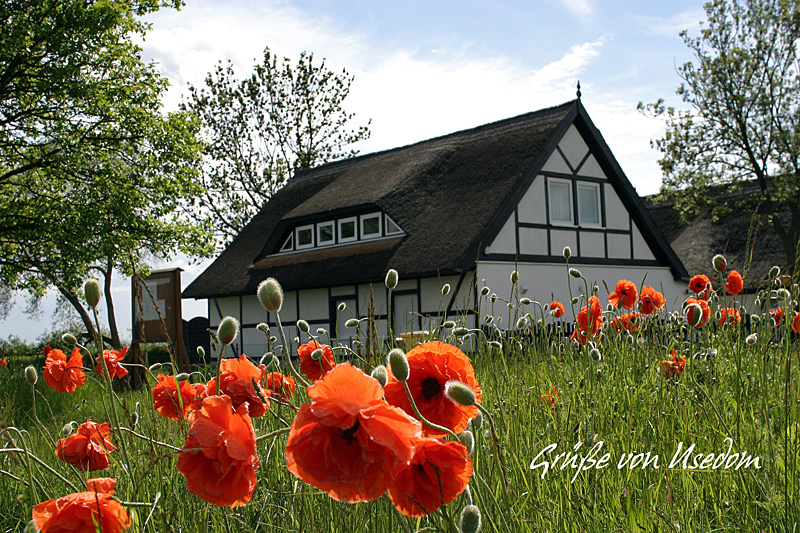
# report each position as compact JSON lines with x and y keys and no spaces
{"x":280,"y":385}
{"x":735,"y":283}
{"x":439,"y":471}
{"x":627,"y":322}
{"x":557,"y":309}
{"x":700,"y":283}
{"x":165,"y":397}
{"x":88,"y":447}
{"x":625,"y":294}
{"x":589,"y":322}
{"x":314,"y":370}
{"x":238,"y":378}
{"x":348,"y":441}
{"x":83,"y":512}
{"x":651,"y":300}
{"x":673,"y":367}
{"x":796,"y":323}
{"x":62,"y":374}
{"x":777,"y":315}
{"x":219,"y":457}
{"x":4,"y":362}
{"x":112,"y":359}
{"x":730,"y":317}
{"x":691,"y":310}
{"x":431,"y":365}
{"x":549,"y":398}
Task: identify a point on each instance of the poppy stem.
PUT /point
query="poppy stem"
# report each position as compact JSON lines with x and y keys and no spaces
{"x":271,"y":434}
{"x":422,"y":418}
{"x":287,"y":352}
{"x":496,"y":443}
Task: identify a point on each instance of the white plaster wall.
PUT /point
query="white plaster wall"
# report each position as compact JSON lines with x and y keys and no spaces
{"x":592,"y":244}
{"x":228,"y":306}
{"x":532,"y":207}
{"x":533,"y":241}
{"x":619,"y":246}
{"x":252,"y":310}
{"x":573,"y":146}
{"x":314,"y":304}
{"x":506,"y":240}
{"x":555,"y":163}
{"x":561,"y":238}
{"x":431,"y":293}
{"x":591,"y":168}
{"x":640,"y":248}
{"x":617,"y":216}
{"x":546,"y":282}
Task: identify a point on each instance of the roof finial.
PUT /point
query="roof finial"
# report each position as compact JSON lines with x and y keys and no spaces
{"x":578,"y":92}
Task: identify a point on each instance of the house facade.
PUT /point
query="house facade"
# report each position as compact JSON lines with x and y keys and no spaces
{"x":462,"y":210}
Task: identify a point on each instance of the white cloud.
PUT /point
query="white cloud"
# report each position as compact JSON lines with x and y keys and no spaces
{"x":672,"y":26}
{"x":579,"y":8}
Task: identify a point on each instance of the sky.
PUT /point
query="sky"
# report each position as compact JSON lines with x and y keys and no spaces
{"x":424,"y":68}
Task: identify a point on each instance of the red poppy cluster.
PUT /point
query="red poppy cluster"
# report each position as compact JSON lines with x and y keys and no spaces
{"x":315,"y":369}
{"x":550,"y":397}
{"x":650,"y":300}
{"x":89,"y":511}
{"x":674,"y":366}
{"x":88,"y":447}
{"x":62,"y":374}
{"x":112,"y":360}
{"x":557,"y":309}
{"x":701,"y":286}
{"x":729,"y":317}
{"x":242,"y":381}
{"x":735,"y":283}
{"x":697,"y":312}
{"x":624,"y":295}
{"x":778,"y":315}
{"x":627,"y":322}
{"x":590,"y":322}
{"x":351,"y":443}
{"x":280,"y":386}
{"x":169,"y":403}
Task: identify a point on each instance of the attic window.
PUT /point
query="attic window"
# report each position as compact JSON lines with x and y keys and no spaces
{"x":391,"y":227}
{"x":288,"y":246}
{"x":347,"y":229}
{"x":340,"y":231}
{"x":305,"y":236}
{"x":589,"y":204}
{"x":371,"y":226}
{"x":325,"y":233}
{"x":560,"y":195}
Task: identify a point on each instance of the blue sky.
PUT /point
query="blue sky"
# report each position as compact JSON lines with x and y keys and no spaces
{"x":428,"y":68}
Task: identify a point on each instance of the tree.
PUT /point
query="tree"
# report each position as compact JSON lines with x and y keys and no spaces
{"x":261,"y":130}
{"x":92,"y":174}
{"x":744,"y":124}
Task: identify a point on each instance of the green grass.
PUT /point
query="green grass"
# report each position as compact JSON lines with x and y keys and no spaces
{"x":730,"y":389}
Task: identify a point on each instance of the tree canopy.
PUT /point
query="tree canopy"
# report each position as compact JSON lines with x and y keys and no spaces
{"x":92,"y":173}
{"x":262,"y":129}
{"x":743,"y":125}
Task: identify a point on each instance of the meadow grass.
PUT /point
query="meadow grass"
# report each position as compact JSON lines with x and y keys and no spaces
{"x":734,"y":393}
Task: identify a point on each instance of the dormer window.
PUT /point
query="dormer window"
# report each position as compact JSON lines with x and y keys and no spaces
{"x":560,"y":194}
{"x":340,"y":231}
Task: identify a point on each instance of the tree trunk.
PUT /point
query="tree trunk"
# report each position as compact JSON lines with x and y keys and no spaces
{"x":112,"y":318}
{"x":75,"y":302}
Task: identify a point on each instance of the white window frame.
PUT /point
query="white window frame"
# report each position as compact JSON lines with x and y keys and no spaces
{"x":596,"y":187}
{"x":288,"y":245}
{"x":364,"y":219}
{"x":321,"y":225}
{"x":568,"y":183}
{"x":342,"y":221}
{"x":297,"y":245}
{"x":386,"y":226}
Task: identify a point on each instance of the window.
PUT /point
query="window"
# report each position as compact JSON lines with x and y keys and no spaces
{"x":560,"y":195}
{"x":391,"y":227}
{"x":347,"y":229}
{"x":305,"y":236}
{"x":289,"y":244}
{"x":589,"y":204}
{"x":371,"y":226}
{"x":325,"y":233}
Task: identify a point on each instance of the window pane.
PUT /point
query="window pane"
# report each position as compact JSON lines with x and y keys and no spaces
{"x":304,"y":237}
{"x":347,"y":230}
{"x":288,"y":244}
{"x":560,"y":202}
{"x":371,"y":226}
{"x":325,"y":233}
{"x":588,"y":204}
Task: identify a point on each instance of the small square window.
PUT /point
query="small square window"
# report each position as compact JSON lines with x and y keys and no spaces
{"x":371,"y":226}
{"x":589,"y":204}
{"x":347,"y":229}
{"x":325,"y":233}
{"x":289,"y":244}
{"x":305,"y":237}
{"x":560,"y":196}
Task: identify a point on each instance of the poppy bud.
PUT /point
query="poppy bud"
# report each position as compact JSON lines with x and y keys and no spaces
{"x":525,"y":301}
{"x":496,"y":345}
{"x":575,"y":300}
{"x":302,"y":325}
{"x":379,"y":373}
{"x":514,"y":277}
{"x":352,"y":323}
{"x":467,"y":439}
{"x":522,"y":323}
{"x":493,"y":297}
{"x":183,"y":376}
{"x":267,"y":359}
{"x":751,"y":339}
{"x":477,"y":422}
{"x":445,"y":289}
{"x":596,"y":355}
{"x":783,"y":294}
{"x":201,"y":352}
{"x":695,"y":312}
{"x":470,"y":521}
{"x":567,"y":253}
{"x":227,"y":330}
{"x":399,"y":364}
{"x":460,"y":393}
{"x":391,"y":279}
{"x":270,"y":294}
{"x":316,"y":354}
{"x":68,"y":429}
{"x":460,"y":332}
{"x":262,"y":327}
{"x":155,"y":367}
{"x":449,"y":324}
{"x":31,"y":376}
{"x":485,"y":291}
{"x":322,"y":331}
{"x":774,"y":272}
{"x":91,"y":291}
{"x":69,"y":339}
{"x":720,"y":263}
{"x":574,"y":272}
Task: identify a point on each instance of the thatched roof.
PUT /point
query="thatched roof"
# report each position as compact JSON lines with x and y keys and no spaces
{"x":750,"y":246}
{"x":450,"y":195}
